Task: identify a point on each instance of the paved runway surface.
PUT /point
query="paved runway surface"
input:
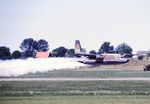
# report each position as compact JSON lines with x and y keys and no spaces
{"x":76,"y":79}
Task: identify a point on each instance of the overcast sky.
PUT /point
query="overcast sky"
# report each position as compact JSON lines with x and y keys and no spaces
{"x":61,"y":22}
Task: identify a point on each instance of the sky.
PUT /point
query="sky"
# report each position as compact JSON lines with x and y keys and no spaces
{"x":61,"y":22}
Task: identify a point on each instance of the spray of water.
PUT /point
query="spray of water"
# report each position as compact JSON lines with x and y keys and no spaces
{"x":20,"y":67}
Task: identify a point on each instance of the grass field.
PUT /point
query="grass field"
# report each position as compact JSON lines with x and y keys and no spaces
{"x":89,"y":73}
{"x":78,"y":92}
{"x":93,"y":88}
{"x":75,"y":92}
{"x":128,"y":99}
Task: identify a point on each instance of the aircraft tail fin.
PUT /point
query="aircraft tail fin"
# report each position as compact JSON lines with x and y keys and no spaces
{"x":78,"y":48}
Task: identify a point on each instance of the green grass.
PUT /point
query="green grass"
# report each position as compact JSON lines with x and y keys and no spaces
{"x":51,"y":88}
{"x":85,"y":73}
{"x":128,"y":99}
{"x":77,"y":92}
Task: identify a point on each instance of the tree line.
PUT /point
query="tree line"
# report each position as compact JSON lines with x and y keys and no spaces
{"x":29,"y":47}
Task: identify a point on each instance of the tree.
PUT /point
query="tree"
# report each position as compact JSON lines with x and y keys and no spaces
{"x":29,"y":54}
{"x":42,"y":45}
{"x":59,"y":52}
{"x":29,"y":47}
{"x":70,"y":53}
{"x":106,"y":48}
{"x":123,"y":49}
{"x":16,"y":54}
{"x":4,"y":53}
{"x":93,"y":52}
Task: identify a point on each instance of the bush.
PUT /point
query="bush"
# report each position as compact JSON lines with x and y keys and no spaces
{"x":16,"y":54}
{"x":140,"y":57}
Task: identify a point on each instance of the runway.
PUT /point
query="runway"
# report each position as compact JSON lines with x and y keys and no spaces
{"x":76,"y":79}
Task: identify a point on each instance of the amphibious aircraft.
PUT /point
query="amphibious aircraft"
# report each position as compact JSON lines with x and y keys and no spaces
{"x":101,"y":58}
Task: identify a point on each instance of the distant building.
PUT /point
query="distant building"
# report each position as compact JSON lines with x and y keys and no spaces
{"x":42,"y":54}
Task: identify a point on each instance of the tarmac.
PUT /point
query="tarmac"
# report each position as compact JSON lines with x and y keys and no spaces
{"x":76,"y":79}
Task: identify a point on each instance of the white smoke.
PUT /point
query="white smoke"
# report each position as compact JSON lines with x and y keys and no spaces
{"x":20,"y":66}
